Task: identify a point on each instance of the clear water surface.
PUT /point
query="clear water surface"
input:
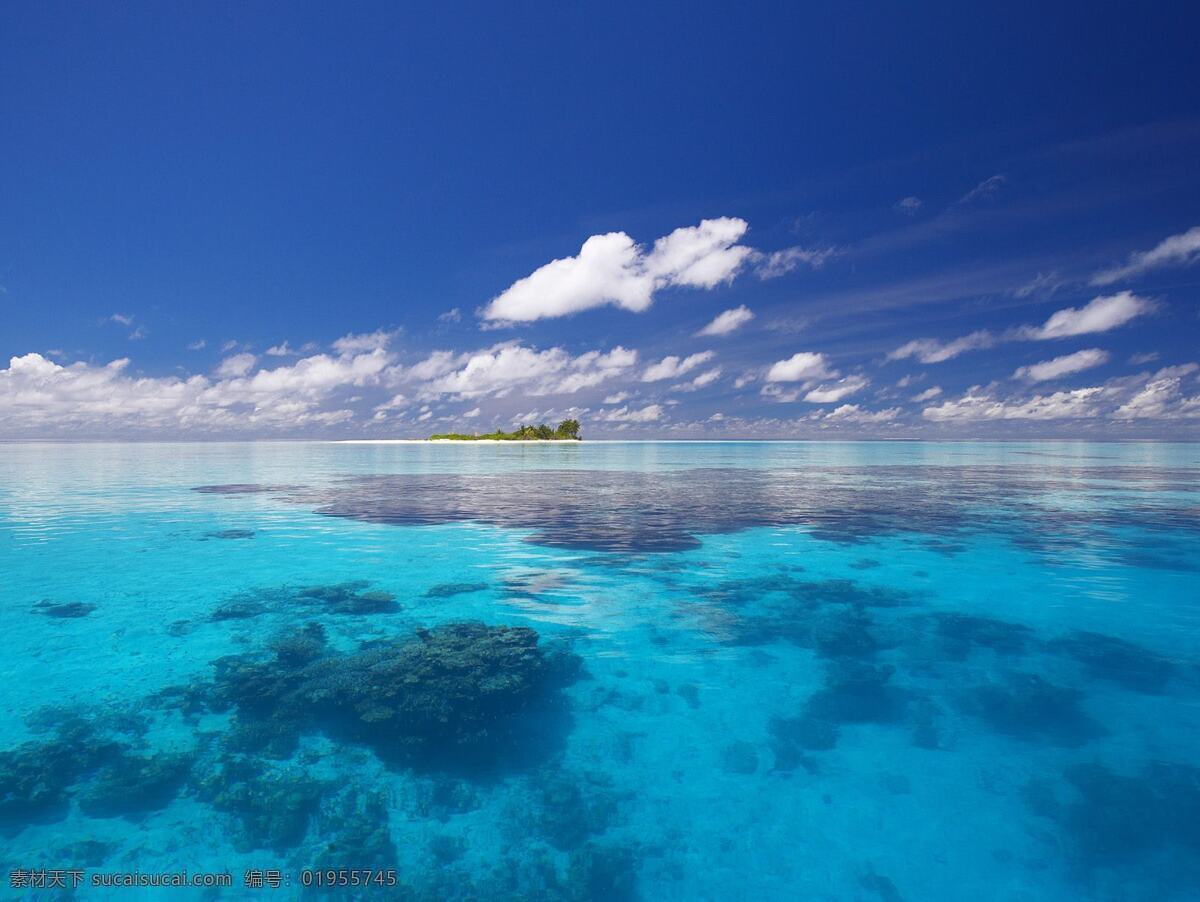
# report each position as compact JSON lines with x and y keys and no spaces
{"x":607,"y":670}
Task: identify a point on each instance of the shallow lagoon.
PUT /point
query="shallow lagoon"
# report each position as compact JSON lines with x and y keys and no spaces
{"x":609,"y":670}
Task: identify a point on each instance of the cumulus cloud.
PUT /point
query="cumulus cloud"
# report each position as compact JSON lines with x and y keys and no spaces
{"x":928,"y":395}
{"x":673,"y":367}
{"x":1178,"y":250}
{"x":367,"y":341}
{"x":852,"y":413}
{"x":1169,"y":394}
{"x":832,"y":392}
{"x":1062,"y":366}
{"x":237,"y":365}
{"x":1162,"y":397}
{"x":708,"y":377}
{"x":908,"y":205}
{"x":286,"y":350}
{"x":647,"y":414}
{"x":502,"y":368}
{"x":617,"y":398}
{"x":123,"y":319}
{"x":1099,"y":315}
{"x":614,"y":269}
{"x":978,"y":405}
{"x":727,"y":322}
{"x":805,"y":366}
{"x":931,"y":350}
{"x":42,"y":397}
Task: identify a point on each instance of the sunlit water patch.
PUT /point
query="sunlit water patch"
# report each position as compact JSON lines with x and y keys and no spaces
{"x":607,"y":671}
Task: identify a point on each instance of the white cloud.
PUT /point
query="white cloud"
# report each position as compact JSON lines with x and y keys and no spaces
{"x":673,"y":367}
{"x":367,"y":341}
{"x":928,"y":395}
{"x":617,"y":398}
{"x":727,"y":322}
{"x":281,"y":350}
{"x":198,"y":345}
{"x":453,"y":315}
{"x":908,"y":205}
{"x":230,"y":345}
{"x":614,"y":269}
{"x":472,"y":413}
{"x":39,"y":396}
{"x":123,"y":319}
{"x":1062,"y":366}
{"x":502,"y":368}
{"x":706,"y":378}
{"x":237,"y":365}
{"x":832,"y":392}
{"x":1041,"y":285}
{"x":646,"y":414}
{"x":779,"y":263}
{"x":1178,"y":250}
{"x":985,"y":190}
{"x":931,"y":350}
{"x":977,"y":405}
{"x":1147,"y":357}
{"x":1163,"y":395}
{"x":852,"y":413}
{"x":1099,"y":315}
{"x":805,"y":366}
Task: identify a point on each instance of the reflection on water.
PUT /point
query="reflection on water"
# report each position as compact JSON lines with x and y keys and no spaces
{"x":608,"y":671}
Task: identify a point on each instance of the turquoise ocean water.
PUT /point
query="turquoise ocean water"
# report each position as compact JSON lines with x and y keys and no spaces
{"x":605,"y":670}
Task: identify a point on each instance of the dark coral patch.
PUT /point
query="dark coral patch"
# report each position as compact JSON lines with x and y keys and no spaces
{"x":1026,"y":706}
{"x":1116,"y":660}
{"x":960,"y":633}
{"x":1110,"y":820}
{"x":132,"y":786}
{"x":449,"y":590}
{"x":230,"y":534}
{"x":460,"y":693}
{"x":64,"y":609}
{"x":271,"y":809}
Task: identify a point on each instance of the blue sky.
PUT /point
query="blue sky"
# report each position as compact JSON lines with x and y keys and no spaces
{"x":770,"y":220}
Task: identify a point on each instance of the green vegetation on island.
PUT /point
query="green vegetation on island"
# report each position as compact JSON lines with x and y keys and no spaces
{"x":567,"y":431}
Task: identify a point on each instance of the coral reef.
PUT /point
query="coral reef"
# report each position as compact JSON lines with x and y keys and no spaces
{"x":454,"y":693}
{"x":1026,"y":706}
{"x":449,"y":590}
{"x":63,"y":609}
{"x":1116,"y":660}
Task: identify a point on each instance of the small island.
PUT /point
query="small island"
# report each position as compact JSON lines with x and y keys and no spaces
{"x":567,"y":431}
